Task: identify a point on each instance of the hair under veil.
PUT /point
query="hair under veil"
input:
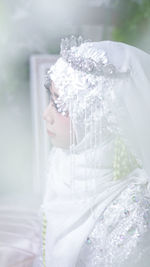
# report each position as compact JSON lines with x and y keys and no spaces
{"x":105,"y":86}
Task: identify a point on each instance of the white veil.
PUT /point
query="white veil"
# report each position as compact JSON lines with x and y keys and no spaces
{"x":134,"y":101}
{"x":131,"y":102}
{"x":112,"y":130}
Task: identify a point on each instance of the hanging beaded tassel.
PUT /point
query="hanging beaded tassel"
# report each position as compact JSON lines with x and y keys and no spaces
{"x":71,"y":151}
{"x":124,"y":161}
{"x":86,"y":145}
{"x":44,"y":238}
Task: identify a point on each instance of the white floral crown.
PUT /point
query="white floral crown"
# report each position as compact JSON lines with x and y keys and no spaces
{"x":88,"y":65}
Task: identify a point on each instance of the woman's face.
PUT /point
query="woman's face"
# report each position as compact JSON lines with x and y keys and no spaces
{"x":58,"y":126}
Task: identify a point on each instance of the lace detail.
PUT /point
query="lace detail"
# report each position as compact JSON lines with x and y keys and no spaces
{"x":119,"y":232}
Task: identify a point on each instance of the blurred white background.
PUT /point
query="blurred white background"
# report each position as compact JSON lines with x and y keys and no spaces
{"x":30,"y":34}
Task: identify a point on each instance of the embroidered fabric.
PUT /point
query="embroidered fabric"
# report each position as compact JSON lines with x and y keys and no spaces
{"x":121,"y":235}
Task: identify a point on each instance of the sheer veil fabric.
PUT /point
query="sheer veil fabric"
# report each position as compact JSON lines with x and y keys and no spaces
{"x":83,"y":180}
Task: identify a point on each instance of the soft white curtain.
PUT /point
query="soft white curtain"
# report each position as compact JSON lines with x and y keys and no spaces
{"x":19,"y":237}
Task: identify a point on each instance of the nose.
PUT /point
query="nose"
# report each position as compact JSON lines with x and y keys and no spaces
{"x":48,"y":115}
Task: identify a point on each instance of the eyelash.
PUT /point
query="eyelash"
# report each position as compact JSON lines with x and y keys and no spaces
{"x":50,"y":96}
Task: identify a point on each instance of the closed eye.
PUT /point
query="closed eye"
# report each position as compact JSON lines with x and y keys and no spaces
{"x":51,"y":98}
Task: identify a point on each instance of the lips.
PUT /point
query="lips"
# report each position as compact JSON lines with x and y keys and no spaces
{"x":50,"y":133}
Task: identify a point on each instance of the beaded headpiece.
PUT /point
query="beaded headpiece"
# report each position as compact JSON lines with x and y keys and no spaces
{"x":87,"y":65}
{"x":82,"y":72}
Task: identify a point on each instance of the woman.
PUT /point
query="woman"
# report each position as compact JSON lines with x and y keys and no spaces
{"x":96,"y":208}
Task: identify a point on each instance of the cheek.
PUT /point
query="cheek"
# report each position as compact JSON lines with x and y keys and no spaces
{"x":62,"y":130}
{"x":63,"y":125}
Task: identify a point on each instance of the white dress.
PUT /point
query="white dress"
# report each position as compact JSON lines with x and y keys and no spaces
{"x":120,"y":236}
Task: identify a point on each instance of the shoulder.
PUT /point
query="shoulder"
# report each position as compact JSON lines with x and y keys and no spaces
{"x":133,"y":203}
{"x":127,"y":217}
{"x":121,"y":229}
{"x":125,"y":222}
